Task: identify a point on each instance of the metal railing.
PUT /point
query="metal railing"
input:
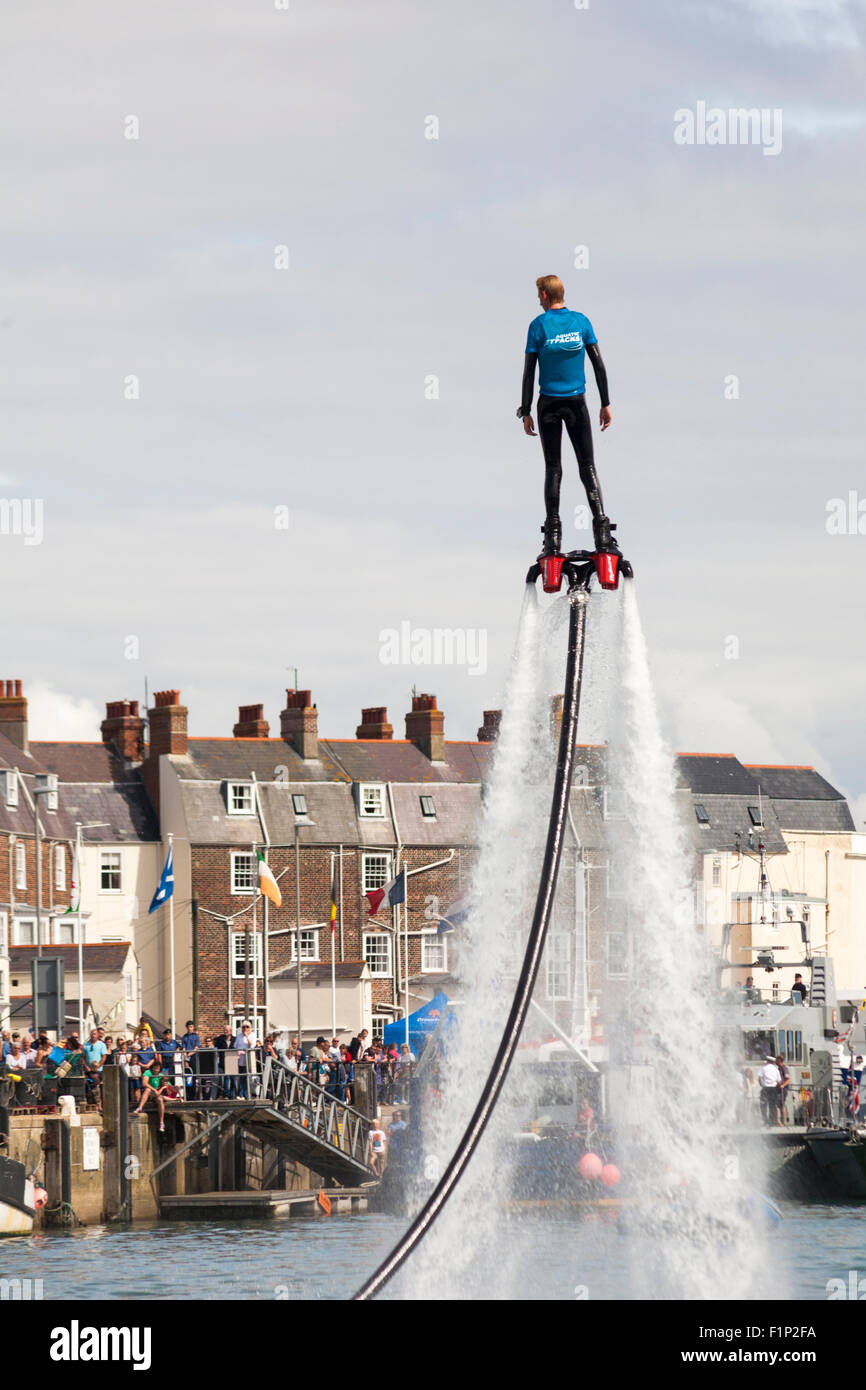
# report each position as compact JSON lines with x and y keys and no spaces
{"x":326,"y":1117}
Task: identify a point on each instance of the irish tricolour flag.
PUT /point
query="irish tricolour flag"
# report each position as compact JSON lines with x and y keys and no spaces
{"x":388,"y":895}
{"x":268,"y":886}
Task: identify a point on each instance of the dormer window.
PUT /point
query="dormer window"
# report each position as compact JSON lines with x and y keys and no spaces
{"x":239,"y":798}
{"x":428,"y":807}
{"x":371,"y":800}
{"x":9,"y":786}
{"x":702,"y":814}
{"x":46,"y":783}
{"x":755,"y":817}
{"x":299,"y":803}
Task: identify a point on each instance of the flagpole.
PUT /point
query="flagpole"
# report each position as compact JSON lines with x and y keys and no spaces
{"x":331,"y":909}
{"x":78,"y":933}
{"x":171,"y":933}
{"x":406,"y":955}
{"x":255,"y":1018}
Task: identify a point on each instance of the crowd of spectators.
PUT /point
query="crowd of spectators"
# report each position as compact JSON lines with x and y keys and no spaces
{"x":169,"y":1067}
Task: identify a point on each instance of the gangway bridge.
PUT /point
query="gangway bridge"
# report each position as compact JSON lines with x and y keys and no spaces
{"x":293,"y":1116}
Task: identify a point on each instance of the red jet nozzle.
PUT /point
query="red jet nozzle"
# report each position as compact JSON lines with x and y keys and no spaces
{"x":551,"y":572}
{"x":607,"y":569}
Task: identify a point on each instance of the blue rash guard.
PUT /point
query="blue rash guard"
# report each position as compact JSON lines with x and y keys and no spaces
{"x":560,"y":338}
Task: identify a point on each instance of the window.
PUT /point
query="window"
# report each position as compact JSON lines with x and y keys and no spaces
{"x":702,"y":813}
{"x":110,"y":871}
{"x":434,"y":953}
{"x":614,"y":803}
{"x":559,"y":966}
{"x":129,"y":982}
{"x":24,"y":931}
{"x":20,"y":866}
{"x":241,"y":963}
{"x":617,"y":954}
{"x":377,"y":952}
{"x":299,"y":803}
{"x":617,"y":881}
{"x":60,"y":868}
{"x":46,"y":782}
{"x":377,"y":871}
{"x":64,"y":931}
{"x":371,"y":799}
{"x":10,"y":786}
{"x":428,"y":807}
{"x":717,"y":873}
{"x":239,"y":798}
{"x":377,"y":1027}
{"x":309,"y":944}
{"x":755,"y":816}
{"x":256,"y":1020}
{"x":244,"y":873}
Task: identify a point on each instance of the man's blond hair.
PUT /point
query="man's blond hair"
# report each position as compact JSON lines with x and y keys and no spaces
{"x":552,"y":286}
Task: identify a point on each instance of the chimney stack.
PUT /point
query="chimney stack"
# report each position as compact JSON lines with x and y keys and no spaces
{"x":167,"y":724}
{"x":123,"y":726}
{"x":251,"y":722}
{"x":374,"y":724}
{"x":425,"y":726}
{"x":13,"y":714}
{"x":299,"y":723}
{"x":489,"y":731}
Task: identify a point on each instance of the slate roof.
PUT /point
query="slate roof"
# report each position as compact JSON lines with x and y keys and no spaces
{"x":803,"y":799}
{"x":81,"y":762}
{"x":103,"y":957}
{"x":314,"y":971}
{"x":716,"y":774}
{"x":56,"y":825}
{"x":340,"y":760}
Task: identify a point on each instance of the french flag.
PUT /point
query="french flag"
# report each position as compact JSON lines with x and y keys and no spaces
{"x":388,"y":895}
{"x":455,"y":916}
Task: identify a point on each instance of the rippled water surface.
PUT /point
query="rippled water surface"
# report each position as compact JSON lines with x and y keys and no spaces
{"x":560,"y":1258}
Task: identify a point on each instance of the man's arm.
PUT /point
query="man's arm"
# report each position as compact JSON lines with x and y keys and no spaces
{"x":524,"y":410}
{"x":598,"y":367}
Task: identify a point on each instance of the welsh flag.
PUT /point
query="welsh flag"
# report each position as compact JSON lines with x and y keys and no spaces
{"x":268,"y":886}
{"x":388,"y":895}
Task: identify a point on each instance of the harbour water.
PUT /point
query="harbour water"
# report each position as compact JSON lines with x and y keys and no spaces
{"x":327,"y":1259}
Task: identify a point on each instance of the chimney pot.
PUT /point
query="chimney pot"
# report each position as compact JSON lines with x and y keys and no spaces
{"x":374,"y":724}
{"x":251,"y":722}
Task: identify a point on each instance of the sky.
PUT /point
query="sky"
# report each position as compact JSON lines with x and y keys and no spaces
{"x":261,"y":341}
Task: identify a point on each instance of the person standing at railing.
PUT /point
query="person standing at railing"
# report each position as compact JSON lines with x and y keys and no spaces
{"x":223,"y":1042}
{"x":770,"y":1079}
{"x":243,"y":1044}
{"x":404,"y":1073}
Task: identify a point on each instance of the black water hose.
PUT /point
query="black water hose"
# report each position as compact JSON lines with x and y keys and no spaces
{"x":529,"y":970}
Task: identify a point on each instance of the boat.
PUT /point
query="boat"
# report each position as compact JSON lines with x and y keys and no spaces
{"x":17,"y":1198}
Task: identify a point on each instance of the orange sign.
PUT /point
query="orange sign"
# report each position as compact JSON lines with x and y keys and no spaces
{"x":324,"y":1202}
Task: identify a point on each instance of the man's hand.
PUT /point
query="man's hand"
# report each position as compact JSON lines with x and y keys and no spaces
{"x":604,"y":417}
{"x":528,"y":426}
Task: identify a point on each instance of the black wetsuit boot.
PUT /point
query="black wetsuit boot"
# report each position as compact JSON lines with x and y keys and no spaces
{"x":552,"y":532}
{"x":602,"y":528}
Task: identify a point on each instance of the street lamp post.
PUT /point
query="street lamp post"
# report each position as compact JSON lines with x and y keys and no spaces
{"x":91,"y":825}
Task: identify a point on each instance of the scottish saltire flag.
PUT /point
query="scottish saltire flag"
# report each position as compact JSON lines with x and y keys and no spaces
{"x":456,"y":914}
{"x":166,"y":883}
{"x":388,"y":895}
{"x":75,"y":886}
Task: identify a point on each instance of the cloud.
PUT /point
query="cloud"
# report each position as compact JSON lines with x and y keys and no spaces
{"x":55,"y":715}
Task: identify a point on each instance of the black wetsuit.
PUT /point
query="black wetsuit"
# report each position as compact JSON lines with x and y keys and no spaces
{"x":571,"y":411}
